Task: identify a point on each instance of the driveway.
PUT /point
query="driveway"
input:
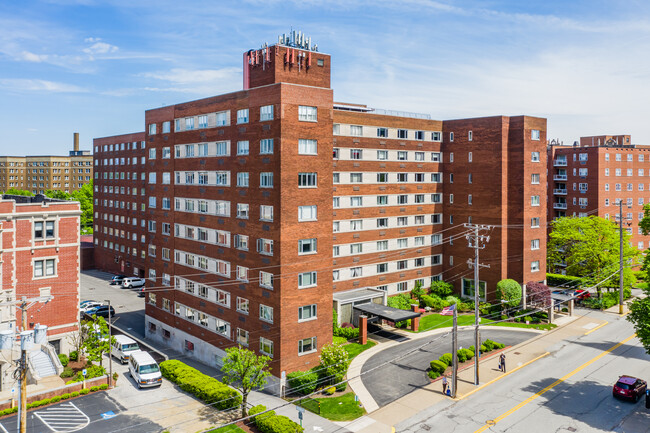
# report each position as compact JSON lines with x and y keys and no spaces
{"x":129,"y":307}
{"x":407,"y":374}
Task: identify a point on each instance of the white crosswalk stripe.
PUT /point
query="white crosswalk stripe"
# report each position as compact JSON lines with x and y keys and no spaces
{"x":63,"y":418}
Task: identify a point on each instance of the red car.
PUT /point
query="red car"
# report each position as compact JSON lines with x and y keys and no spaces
{"x":581,"y":294}
{"x":630,"y":388}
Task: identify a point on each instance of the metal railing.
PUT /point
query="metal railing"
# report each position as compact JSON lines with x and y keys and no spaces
{"x":560,"y":191}
{"x":559,"y":205}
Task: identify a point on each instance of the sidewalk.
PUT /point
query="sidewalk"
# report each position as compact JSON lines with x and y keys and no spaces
{"x":383,"y":419}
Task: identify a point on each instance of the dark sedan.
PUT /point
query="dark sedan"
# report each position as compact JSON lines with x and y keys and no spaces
{"x":101,"y":311}
{"x":117,"y":279}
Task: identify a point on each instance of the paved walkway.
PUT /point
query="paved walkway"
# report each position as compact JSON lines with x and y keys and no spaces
{"x":383,"y":419}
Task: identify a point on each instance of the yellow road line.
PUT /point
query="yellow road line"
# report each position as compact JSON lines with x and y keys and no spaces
{"x":596,"y":328}
{"x":500,"y":377}
{"x":491,"y":422}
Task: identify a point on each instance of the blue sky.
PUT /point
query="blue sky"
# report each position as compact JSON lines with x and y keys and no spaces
{"x":94,"y":66}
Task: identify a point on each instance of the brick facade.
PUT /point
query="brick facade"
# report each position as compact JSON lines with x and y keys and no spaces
{"x":370,"y":188}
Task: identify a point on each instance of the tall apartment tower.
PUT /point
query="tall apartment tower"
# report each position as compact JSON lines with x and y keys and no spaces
{"x":256,"y":213}
{"x":590,"y":177}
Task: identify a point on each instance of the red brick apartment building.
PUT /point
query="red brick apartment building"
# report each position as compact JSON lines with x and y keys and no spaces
{"x":39,"y":256}
{"x":590,"y":177}
{"x":254,"y":213}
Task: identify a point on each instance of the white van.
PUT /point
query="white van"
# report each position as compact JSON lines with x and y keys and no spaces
{"x":144,"y":370}
{"x":122,"y":347}
{"x":133,"y":282}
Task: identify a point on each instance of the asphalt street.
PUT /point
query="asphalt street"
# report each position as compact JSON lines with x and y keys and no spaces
{"x":83,"y":414}
{"x":568,"y":391}
{"x":408,"y":373}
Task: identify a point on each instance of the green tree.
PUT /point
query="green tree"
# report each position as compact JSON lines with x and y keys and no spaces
{"x":639,"y":316}
{"x":84,"y":196}
{"x":441,"y":289}
{"x":334,"y":359}
{"x":644,"y":224}
{"x":508,"y":292}
{"x":14,"y":191}
{"x":245,"y":371}
{"x":96,"y":342}
{"x":590,"y":248}
{"x":418,"y":291}
{"x":59,"y":195}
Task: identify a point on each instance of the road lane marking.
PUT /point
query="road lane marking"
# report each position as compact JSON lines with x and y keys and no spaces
{"x":501,"y":376}
{"x":74,"y":419}
{"x":492,"y":422}
{"x":596,"y":328}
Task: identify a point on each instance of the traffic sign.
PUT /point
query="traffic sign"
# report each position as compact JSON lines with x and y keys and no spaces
{"x":84,"y":372}
{"x":300,"y":409}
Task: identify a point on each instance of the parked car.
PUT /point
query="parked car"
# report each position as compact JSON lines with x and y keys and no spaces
{"x":101,"y":311}
{"x":122,"y":347}
{"x":581,"y":295}
{"x":132,"y":282}
{"x":88,"y":305}
{"x":117,"y":279}
{"x":144,"y":370}
{"x":630,"y":388}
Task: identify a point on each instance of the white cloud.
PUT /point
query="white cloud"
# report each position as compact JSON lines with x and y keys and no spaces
{"x":200,"y":81}
{"x":100,"y":48}
{"x":34,"y":85}
{"x":31,"y":57}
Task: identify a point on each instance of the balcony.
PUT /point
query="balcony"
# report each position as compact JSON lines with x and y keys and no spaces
{"x":560,"y":191}
{"x":559,"y":163}
{"x":559,"y":205}
{"x":559,"y":177}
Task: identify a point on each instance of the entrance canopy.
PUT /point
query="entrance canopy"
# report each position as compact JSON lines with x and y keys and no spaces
{"x":385,"y":312}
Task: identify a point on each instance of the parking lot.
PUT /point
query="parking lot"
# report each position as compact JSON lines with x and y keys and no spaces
{"x":156,"y":409}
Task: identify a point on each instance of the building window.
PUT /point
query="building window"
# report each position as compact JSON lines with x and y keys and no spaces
{"x":242,"y":337}
{"x":307,"y":147}
{"x":469,"y":138}
{"x":242,"y":115}
{"x":356,"y":130}
{"x":307,"y":246}
{"x":534,"y":178}
{"x":152,"y":129}
{"x":534,"y":200}
{"x":356,"y":154}
{"x":242,"y":148}
{"x":266,"y":180}
{"x":534,"y":266}
{"x":266,"y":313}
{"x":242,"y":180}
{"x":47,"y":233}
{"x":306,"y":279}
{"x":534,"y":244}
{"x":534,"y":157}
{"x":242,"y":305}
{"x":402,"y":133}
{"x":242,"y":210}
{"x":266,"y":113}
{"x":382,"y":132}
{"x":307,"y":180}
{"x":44,"y":268}
{"x":534,"y":222}
{"x":468,"y":288}
{"x":266,"y":347}
{"x":307,"y":312}
{"x":266,"y":146}
{"x":308,"y":345}
{"x":266,"y":280}
{"x":265,"y":246}
{"x":534,"y":134}
{"x":307,"y":213}
{"x":307,"y":114}
{"x":266,"y":213}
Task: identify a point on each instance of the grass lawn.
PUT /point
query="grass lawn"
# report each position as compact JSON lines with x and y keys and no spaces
{"x":433,"y":321}
{"x":228,"y":429}
{"x":341,"y":408}
{"x":354,"y":349}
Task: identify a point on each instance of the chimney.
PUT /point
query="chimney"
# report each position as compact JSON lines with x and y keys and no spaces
{"x":76,"y":141}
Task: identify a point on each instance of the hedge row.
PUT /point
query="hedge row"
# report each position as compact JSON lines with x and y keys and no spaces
{"x":91,"y":372}
{"x":204,"y":387}
{"x":567,"y":281}
{"x":269,"y":422}
{"x":306,"y":382}
{"x":55,"y":399}
{"x":438,"y":366}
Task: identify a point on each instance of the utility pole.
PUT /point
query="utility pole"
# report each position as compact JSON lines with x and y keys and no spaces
{"x":110,"y":347}
{"x":620,"y":268}
{"x":454,"y":355}
{"x":24,"y":304}
{"x":477,"y":242}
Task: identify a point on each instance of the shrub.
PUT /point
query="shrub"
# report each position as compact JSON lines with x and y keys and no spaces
{"x":339,"y":340}
{"x":346,"y":333}
{"x":202,"y":386}
{"x":103,"y":386}
{"x":94,"y":388}
{"x":67,"y":372}
{"x":84,"y":391}
{"x":432,"y":374}
{"x":433,"y":302}
{"x":509,"y":292}
{"x":639,"y":275}
{"x":400,"y":301}
{"x":9,"y":411}
{"x":438,"y":366}
{"x":483,"y":348}
{"x":331,"y":390}
{"x":304,"y":382}
{"x":451,"y":300}
{"x":55,"y":399}
{"x":469,"y":354}
{"x":74,"y":394}
{"x":441,"y":289}
{"x":256,"y":409}
{"x":74,"y":356}
{"x":269,"y":422}
{"x":91,"y":372}
{"x":417,"y":291}
{"x":489,"y":345}
{"x":446,"y":358}
{"x":342,"y":387}
{"x":462,"y":356}
{"x":568,"y":281}
{"x":64,"y":359}
{"x":464,"y":307}
{"x":65,"y":396}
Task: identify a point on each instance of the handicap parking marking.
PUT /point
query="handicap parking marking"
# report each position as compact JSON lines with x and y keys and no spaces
{"x":63,"y":418}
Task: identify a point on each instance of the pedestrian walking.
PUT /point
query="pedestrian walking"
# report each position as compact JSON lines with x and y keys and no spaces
{"x":502,"y":362}
{"x":444,"y":385}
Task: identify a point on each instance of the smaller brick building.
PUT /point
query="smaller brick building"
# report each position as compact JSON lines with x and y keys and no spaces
{"x":589,"y":177}
{"x":39,"y":256}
